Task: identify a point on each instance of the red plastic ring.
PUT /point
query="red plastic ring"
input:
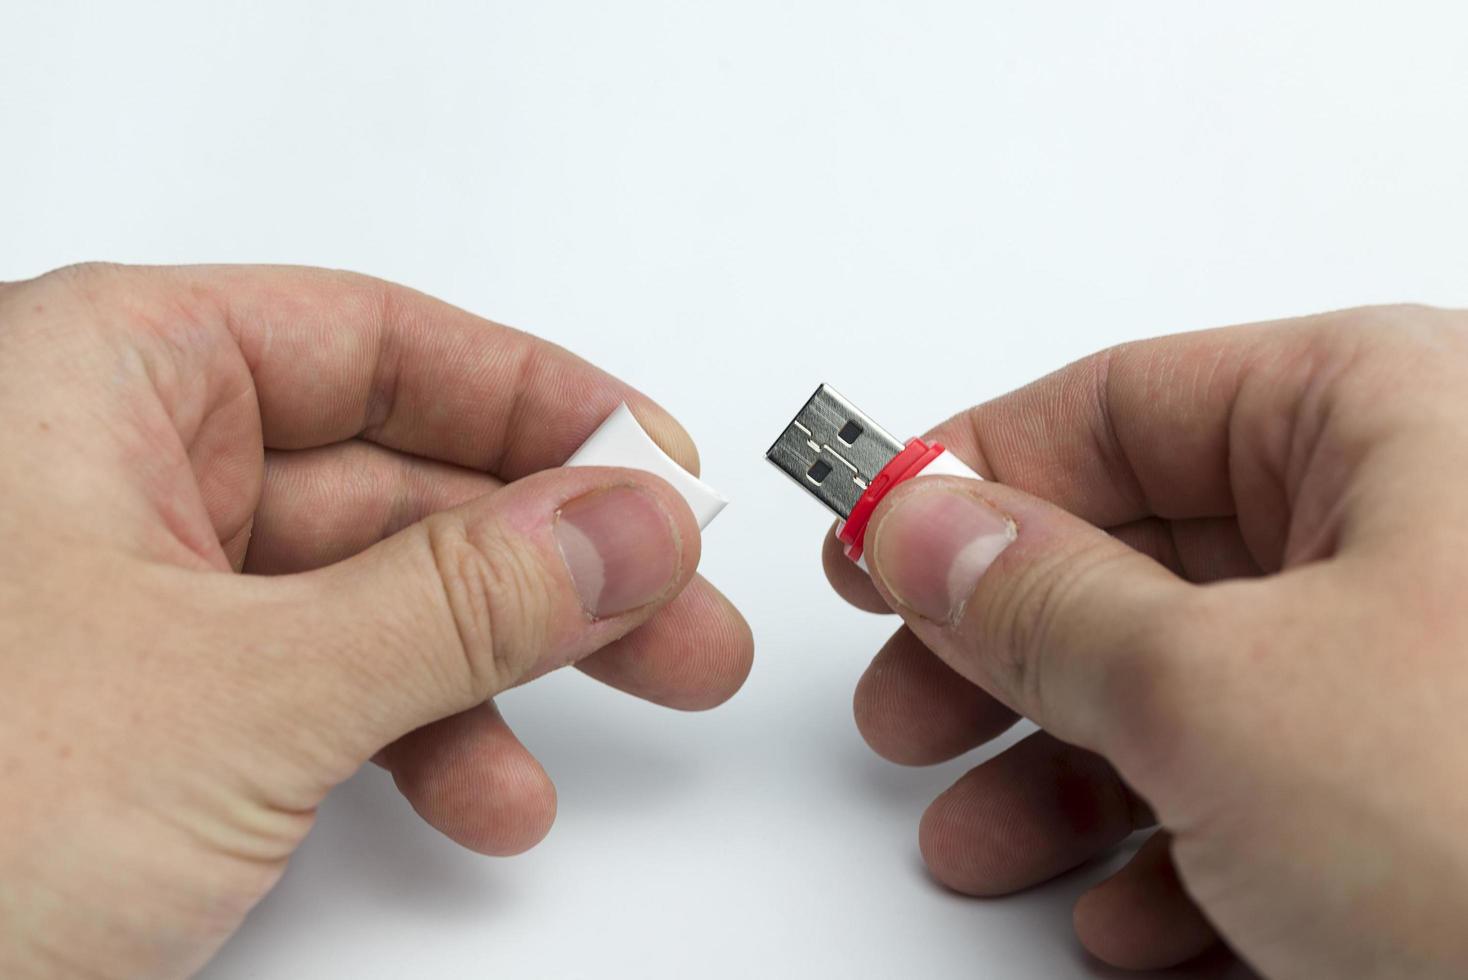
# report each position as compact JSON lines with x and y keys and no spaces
{"x":913,"y":459}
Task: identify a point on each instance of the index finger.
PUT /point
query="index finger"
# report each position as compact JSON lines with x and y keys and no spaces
{"x":1139,"y":430}
{"x":335,"y":355}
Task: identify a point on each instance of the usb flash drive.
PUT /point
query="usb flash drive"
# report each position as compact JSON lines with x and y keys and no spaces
{"x":848,"y":462}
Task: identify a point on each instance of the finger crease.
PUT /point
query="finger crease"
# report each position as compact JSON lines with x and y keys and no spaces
{"x":382,"y":399}
{"x":514,"y":416}
{"x":1112,"y":450}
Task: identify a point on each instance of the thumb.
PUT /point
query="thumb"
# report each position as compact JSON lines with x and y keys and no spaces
{"x":452,"y":610}
{"x":1051,"y":615}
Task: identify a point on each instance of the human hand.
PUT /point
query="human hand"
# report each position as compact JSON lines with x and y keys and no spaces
{"x":384,"y":462}
{"x":1267,"y":648}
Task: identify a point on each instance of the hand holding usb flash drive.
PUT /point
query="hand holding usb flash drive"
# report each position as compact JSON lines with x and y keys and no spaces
{"x":848,"y":462}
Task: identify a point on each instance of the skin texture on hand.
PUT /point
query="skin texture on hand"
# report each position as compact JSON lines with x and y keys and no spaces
{"x":1265,"y":651}
{"x":383,"y":468}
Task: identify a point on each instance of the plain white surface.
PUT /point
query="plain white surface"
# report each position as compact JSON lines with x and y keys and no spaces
{"x":621,"y":441}
{"x":925,"y":204}
{"x":947,"y":464}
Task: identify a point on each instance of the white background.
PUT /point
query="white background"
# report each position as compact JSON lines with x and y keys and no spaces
{"x":925,"y":204}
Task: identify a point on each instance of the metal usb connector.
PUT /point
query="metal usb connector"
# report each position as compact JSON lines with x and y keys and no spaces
{"x":834,"y":450}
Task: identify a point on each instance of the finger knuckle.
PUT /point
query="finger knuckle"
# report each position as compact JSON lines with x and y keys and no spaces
{"x":496,"y":601}
{"x":83,"y":278}
{"x":99,"y":299}
{"x":1023,"y":619}
{"x":1015,"y":622}
{"x":1134,"y":653}
{"x":1392,"y":314}
{"x":1367,"y":328}
{"x":1158,"y":676}
{"x":67,"y":297}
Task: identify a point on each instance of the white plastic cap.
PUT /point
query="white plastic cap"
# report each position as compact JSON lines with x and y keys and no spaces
{"x":620,"y":441}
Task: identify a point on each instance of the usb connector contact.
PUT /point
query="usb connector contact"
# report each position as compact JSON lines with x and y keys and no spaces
{"x":848,"y":462}
{"x":834,"y":450}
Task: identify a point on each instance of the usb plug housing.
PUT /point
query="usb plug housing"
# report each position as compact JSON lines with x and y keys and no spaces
{"x":848,"y":462}
{"x":834,"y":450}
